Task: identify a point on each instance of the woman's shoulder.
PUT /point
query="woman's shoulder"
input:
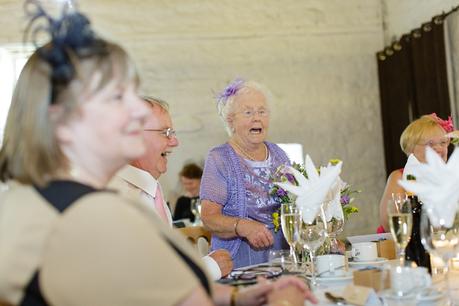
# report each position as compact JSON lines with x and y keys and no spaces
{"x":220,"y":155}
{"x":392,"y":181}
{"x":396,"y":175}
{"x":24,"y":198}
{"x":274,"y":148}
{"x":220,"y":149}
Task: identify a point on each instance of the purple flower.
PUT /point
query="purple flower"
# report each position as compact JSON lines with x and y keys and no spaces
{"x":230,"y":90}
{"x":345,"y":199}
{"x":281,"y":192}
{"x":290,"y":178}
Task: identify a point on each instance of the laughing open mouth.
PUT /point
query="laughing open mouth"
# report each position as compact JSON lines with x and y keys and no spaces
{"x":255,"y":130}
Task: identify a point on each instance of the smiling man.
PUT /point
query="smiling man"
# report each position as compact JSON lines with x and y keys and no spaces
{"x":139,"y":180}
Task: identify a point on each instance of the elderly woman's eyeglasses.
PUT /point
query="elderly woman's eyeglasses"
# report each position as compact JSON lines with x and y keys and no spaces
{"x":249,"y":113}
{"x":169,"y":132}
{"x":443,"y":143}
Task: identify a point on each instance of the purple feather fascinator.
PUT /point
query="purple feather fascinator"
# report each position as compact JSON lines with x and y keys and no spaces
{"x":230,"y":90}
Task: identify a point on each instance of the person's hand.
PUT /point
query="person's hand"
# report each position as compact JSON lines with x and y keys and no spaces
{"x":288,"y":289}
{"x":256,"y":233}
{"x":223,"y":259}
{"x":290,"y":296}
{"x":254,"y":295}
{"x":295,"y":282}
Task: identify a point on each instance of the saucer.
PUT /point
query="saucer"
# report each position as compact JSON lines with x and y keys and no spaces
{"x":346,"y":276}
{"x":376,"y":262}
{"x":429,"y":294}
{"x":399,"y":300}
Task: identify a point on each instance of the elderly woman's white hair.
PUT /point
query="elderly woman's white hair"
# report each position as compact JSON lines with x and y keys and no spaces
{"x":226,"y":105}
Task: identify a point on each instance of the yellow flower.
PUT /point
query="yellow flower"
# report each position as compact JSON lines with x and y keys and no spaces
{"x":276,"y":221}
{"x":334,"y":161}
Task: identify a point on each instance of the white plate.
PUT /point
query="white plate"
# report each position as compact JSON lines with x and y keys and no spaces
{"x":347,"y":276}
{"x":377,"y":261}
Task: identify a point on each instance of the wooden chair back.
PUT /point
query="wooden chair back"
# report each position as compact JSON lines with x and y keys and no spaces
{"x":194,"y":232}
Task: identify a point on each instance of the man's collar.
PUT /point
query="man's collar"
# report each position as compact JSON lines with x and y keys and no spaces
{"x":139,"y":178}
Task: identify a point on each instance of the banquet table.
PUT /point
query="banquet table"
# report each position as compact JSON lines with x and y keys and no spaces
{"x":337,"y":288}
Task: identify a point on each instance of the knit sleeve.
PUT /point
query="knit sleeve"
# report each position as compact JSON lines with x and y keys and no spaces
{"x":213,"y":183}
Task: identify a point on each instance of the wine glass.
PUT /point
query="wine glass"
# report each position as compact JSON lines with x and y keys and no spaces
{"x":441,"y":240}
{"x":196,"y":210}
{"x":311,"y":234}
{"x":401,"y":224}
{"x":334,"y":226}
{"x":290,"y":220}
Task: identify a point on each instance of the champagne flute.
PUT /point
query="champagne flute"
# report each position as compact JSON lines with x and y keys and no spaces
{"x":399,"y":196}
{"x":401,"y":224}
{"x":290,"y":220}
{"x":311,"y":234}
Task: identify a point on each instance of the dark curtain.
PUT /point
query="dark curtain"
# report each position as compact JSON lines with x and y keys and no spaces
{"x":412,"y":82}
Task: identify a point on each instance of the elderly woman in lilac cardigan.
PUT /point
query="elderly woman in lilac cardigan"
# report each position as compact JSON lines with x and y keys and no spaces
{"x":236,"y":205}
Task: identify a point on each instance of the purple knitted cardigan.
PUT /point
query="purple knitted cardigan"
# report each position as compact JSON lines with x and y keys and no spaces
{"x":224,"y":166}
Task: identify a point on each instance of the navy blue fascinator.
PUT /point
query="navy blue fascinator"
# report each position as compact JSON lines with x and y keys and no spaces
{"x":69,"y":34}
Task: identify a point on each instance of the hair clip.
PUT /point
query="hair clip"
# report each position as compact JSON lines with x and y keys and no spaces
{"x":71,"y":32}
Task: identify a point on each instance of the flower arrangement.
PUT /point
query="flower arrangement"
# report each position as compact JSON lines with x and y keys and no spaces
{"x":282,"y":174}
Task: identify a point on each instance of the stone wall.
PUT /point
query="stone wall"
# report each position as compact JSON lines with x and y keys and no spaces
{"x":317,"y":57}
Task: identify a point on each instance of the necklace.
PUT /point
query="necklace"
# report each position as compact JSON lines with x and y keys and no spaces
{"x":246,"y":154}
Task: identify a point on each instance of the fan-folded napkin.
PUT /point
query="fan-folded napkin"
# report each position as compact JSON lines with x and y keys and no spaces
{"x":436,"y":186}
{"x":312,"y":191}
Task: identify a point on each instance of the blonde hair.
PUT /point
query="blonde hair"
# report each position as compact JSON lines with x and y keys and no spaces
{"x":416,"y":131}
{"x":30,"y":152}
{"x":227,"y":107}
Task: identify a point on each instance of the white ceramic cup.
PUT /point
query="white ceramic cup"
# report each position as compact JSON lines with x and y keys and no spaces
{"x":405,"y":279}
{"x":364,"y":251}
{"x":332,"y":264}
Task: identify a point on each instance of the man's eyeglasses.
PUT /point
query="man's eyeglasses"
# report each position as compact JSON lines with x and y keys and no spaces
{"x":443,"y":143}
{"x":253,"y":273}
{"x":169,"y":132}
{"x":251,"y":113}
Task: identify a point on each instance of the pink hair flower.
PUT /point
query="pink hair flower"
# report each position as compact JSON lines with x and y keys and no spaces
{"x":447,"y":125}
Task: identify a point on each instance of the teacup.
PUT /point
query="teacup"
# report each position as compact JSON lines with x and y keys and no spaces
{"x":328,"y":265}
{"x":405,"y":280}
{"x":364,"y":251}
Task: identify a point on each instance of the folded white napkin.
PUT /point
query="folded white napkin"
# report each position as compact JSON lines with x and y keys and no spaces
{"x":436,"y":186}
{"x":410,"y":167}
{"x":311,"y":191}
{"x":333,"y":208}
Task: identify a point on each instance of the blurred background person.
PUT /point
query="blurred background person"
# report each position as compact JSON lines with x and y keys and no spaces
{"x":236,"y":205}
{"x":190,"y":178}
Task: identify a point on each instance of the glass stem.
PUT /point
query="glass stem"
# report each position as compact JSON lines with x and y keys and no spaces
{"x":293,"y":254}
{"x":402,"y":257}
{"x":313,"y":269}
